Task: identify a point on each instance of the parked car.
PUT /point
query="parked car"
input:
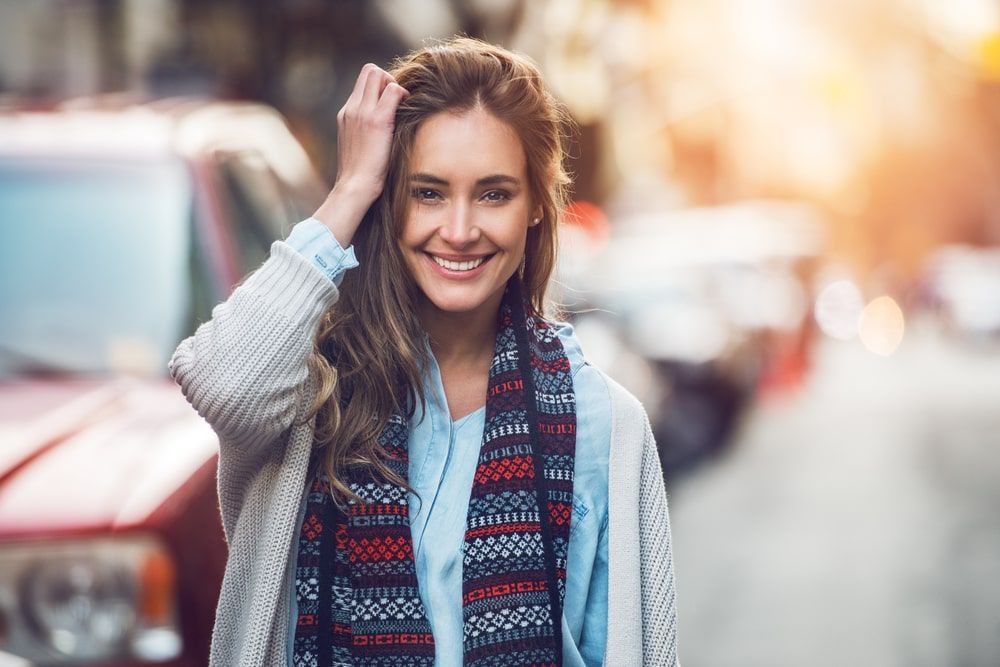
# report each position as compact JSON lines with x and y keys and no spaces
{"x":123,"y":224}
{"x":695,"y":308}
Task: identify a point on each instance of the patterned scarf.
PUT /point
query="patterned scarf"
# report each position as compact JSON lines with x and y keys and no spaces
{"x":356,"y":584}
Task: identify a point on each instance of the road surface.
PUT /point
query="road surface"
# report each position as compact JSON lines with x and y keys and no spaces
{"x":856,"y":522}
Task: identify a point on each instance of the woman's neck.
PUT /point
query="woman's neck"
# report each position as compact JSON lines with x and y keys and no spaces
{"x":462,"y":340}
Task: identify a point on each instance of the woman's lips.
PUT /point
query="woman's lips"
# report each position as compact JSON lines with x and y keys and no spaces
{"x":458,"y":275}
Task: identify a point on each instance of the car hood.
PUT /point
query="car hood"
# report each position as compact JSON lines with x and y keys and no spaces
{"x":94,"y":454}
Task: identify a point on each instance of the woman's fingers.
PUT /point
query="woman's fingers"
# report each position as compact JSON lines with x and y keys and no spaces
{"x":367,"y":77}
{"x":377,"y":80}
{"x":365,"y":129}
{"x":391,"y":97}
{"x":374,"y":90}
{"x":359,"y":84}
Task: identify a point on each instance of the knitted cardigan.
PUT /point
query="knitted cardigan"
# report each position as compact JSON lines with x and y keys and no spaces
{"x":245,"y":372}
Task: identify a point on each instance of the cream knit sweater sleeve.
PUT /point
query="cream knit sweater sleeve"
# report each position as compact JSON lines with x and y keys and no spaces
{"x":245,"y":371}
{"x":241,"y":370}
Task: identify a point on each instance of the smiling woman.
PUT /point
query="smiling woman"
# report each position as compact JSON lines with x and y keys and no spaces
{"x":464,"y":237}
{"x":418,"y":463}
{"x":471,"y":166}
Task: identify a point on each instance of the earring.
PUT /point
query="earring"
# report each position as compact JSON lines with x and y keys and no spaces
{"x":535,"y":221}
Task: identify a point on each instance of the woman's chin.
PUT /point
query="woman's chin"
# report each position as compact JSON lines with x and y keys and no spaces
{"x":453,"y":303}
{"x":461,"y":298}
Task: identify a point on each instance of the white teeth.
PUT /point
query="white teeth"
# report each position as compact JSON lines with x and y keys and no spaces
{"x":458,"y":266}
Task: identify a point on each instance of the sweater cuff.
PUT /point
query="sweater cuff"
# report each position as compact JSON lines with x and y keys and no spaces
{"x":314,"y":240}
{"x":292,"y":284}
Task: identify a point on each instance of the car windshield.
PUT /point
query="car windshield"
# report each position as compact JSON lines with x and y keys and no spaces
{"x":93,"y":264}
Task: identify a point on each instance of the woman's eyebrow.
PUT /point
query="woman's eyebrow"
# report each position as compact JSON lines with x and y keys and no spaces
{"x":492,"y":179}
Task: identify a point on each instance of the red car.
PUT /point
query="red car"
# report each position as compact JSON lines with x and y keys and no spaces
{"x":123,"y":224}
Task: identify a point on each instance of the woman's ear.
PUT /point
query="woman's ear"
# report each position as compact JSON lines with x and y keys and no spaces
{"x":536,"y":215}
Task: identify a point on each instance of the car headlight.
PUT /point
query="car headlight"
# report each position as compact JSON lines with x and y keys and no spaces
{"x":89,"y":600}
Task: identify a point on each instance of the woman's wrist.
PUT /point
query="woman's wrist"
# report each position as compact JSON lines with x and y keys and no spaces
{"x":343,"y":210}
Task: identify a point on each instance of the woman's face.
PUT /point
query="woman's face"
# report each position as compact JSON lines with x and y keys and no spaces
{"x":469,"y":210}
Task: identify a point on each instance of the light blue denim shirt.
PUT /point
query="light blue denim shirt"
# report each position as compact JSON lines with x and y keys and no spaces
{"x":443,"y":457}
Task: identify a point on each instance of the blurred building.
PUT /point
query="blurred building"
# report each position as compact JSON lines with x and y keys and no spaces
{"x":884,"y":114}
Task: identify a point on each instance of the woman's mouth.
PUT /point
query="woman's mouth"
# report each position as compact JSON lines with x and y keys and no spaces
{"x":458,"y":270}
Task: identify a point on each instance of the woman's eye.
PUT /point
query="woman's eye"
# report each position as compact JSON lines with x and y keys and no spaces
{"x":420,"y":192}
{"x":497,"y":195}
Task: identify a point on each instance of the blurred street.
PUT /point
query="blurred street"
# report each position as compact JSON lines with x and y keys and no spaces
{"x":855,"y":523}
{"x":783,"y":238}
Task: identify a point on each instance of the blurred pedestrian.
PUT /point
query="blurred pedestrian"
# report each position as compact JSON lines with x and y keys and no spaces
{"x":418,"y":465}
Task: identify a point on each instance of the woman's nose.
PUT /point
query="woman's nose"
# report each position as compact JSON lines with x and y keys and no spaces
{"x":460,"y":229}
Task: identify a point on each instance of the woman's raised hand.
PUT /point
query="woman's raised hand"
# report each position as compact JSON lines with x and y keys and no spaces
{"x":364,"y":137}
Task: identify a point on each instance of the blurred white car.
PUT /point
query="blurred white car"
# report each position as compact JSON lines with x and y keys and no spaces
{"x":692,"y":307}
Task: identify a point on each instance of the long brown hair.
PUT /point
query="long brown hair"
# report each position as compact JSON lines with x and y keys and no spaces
{"x":368,"y":355}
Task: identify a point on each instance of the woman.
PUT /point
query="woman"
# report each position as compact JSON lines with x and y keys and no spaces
{"x":417,"y":466}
